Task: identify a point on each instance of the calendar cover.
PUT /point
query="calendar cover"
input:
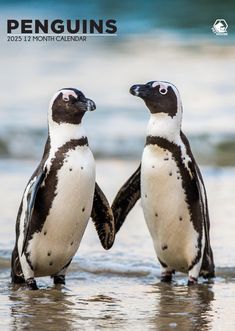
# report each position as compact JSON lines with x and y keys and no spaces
{"x":113,"y":92}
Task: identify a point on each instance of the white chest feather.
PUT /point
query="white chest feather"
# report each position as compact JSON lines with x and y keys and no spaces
{"x":165,"y":209}
{"x":52,"y":248}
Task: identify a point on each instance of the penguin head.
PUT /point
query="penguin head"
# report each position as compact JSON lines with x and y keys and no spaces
{"x":69,"y":105}
{"x":159,"y":97}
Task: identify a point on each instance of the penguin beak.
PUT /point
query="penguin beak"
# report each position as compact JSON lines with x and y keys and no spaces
{"x":90,"y":105}
{"x":140,"y":90}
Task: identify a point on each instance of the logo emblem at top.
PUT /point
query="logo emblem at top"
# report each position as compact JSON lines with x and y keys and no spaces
{"x":220,"y":27}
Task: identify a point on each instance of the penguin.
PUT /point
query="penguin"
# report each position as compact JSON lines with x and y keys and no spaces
{"x":60,"y":197}
{"x":171,"y":189}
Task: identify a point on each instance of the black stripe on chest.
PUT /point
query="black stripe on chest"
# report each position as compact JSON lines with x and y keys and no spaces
{"x":189,"y":184}
{"x":47,"y":192}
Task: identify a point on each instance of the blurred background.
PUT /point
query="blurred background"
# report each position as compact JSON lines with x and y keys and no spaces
{"x":156,"y":40}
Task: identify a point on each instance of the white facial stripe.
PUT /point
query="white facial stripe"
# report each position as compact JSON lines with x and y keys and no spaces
{"x":179,"y":102}
{"x":155,"y":84}
{"x":67,"y":93}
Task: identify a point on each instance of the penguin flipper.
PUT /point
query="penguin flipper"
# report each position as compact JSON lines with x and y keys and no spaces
{"x":103,"y":219}
{"x":126,"y":198}
{"x":34,"y":186}
{"x":208,"y":267}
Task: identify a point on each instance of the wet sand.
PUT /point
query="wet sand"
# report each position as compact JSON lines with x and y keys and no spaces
{"x":121,"y":289}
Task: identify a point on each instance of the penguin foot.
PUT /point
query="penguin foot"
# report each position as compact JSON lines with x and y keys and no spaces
{"x":166,"y":277}
{"x":59,"y":280}
{"x":31,"y":284}
{"x":192,"y":281}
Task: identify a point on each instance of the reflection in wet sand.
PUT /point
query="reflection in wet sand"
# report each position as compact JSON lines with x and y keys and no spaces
{"x":29,"y":310}
{"x":57,"y":309}
{"x":182,"y":307}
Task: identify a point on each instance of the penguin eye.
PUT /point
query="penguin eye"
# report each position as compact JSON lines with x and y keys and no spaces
{"x":163,"y":91}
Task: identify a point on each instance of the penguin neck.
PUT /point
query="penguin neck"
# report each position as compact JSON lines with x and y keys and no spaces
{"x":64,"y":132}
{"x":163,"y":125}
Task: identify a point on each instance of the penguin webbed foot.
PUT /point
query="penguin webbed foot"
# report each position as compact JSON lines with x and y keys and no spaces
{"x":166,"y":276}
{"x":192,"y":281}
{"x":59,"y":280}
{"x":31,"y":284}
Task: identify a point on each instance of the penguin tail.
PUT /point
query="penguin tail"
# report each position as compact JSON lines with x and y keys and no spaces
{"x":16,"y":270}
{"x":208,"y":266}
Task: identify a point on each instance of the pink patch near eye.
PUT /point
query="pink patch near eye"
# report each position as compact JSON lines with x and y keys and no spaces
{"x":67,"y":94}
{"x":163,"y":91}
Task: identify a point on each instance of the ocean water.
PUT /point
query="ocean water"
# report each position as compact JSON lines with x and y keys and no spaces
{"x":120,"y":289}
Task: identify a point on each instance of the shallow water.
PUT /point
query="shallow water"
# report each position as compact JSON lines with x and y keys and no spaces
{"x":94,"y":301}
{"x":120,"y":289}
